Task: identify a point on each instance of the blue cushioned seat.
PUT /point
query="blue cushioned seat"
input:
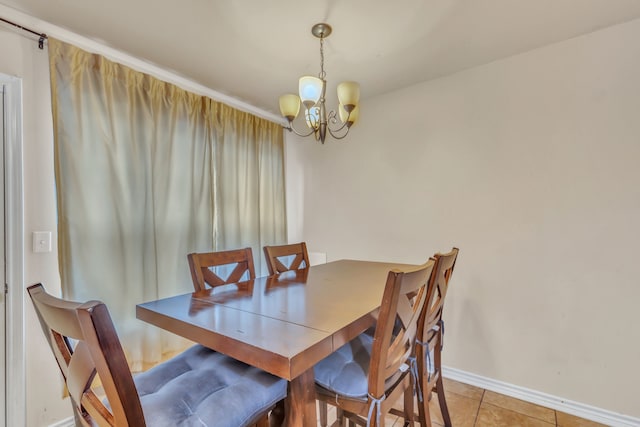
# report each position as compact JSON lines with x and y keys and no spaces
{"x":215,"y":390}
{"x":199,"y":387}
{"x":346,"y":371}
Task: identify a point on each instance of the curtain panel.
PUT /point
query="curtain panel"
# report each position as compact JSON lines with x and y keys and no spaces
{"x":146,"y":173}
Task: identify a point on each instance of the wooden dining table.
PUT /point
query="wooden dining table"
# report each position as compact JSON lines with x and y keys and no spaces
{"x":283,"y":324}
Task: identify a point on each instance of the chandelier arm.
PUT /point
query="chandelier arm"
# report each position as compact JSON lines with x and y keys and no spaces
{"x":333,"y":119}
{"x":334,"y":132}
{"x":291,"y":128}
{"x":344,"y":125}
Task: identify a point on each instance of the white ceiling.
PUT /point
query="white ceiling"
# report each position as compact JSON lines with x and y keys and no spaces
{"x":255,"y":50}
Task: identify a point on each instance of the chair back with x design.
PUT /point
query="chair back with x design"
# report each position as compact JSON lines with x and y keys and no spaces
{"x":430,"y":338}
{"x":286,"y":257}
{"x":201,"y":265}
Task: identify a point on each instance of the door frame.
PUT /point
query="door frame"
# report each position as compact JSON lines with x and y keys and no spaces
{"x":15,"y":373}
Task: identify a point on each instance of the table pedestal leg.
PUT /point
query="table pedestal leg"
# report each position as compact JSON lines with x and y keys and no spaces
{"x":300,"y":405}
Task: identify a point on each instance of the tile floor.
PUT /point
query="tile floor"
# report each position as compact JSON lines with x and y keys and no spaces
{"x":471,"y":406}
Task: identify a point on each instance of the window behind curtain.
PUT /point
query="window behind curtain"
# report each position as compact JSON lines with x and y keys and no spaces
{"x":146,"y":173}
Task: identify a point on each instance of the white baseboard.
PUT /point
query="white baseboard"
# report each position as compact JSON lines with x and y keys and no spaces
{"x":543,"y":399}
{"x":67,"y":422}
{"x":581,"y":410}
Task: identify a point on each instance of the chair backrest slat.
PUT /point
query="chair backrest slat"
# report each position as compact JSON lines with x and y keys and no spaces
{"x":97,"y":350}
{"x":404,"y":297}
{"x":81,"y":371}
{"x":438,"y":286}
{"x":298,"y":251}
{"x":200,"y":265}
{"x":96,"y":412}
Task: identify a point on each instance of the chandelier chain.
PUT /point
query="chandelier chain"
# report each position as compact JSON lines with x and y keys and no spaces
{"x":322,"y":74}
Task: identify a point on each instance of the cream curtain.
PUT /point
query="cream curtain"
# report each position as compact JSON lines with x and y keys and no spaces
{"x":147,"y":172}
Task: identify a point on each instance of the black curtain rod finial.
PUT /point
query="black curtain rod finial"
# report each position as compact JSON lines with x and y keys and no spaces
{"x":42,"y":36}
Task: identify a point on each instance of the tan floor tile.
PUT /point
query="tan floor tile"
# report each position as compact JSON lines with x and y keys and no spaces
{"x":495,"y":410}
{"x":492,"y":416}
{"x":463,"y":405}
{"x":466,"y":390}
{"x":331,"y":413}
{"x":566,"y":420}
{"x":393,"y":421}
{"x":462,"y":410}
{"x":517,"y":405}
{"x":389,"y":420}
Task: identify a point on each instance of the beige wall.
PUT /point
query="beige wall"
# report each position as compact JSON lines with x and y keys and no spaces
{"x":21,"y":57}
{"x":530,"y":166}
{"x":527,"y":164}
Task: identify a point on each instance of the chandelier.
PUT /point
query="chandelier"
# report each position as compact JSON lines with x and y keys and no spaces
{"x":312,"y":91}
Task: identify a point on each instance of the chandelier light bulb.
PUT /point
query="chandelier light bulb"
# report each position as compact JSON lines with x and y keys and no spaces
{"x":353,"y":117}
{"x":289,"y":106}
{"x":312,"y":117}
{"x":349,"y":93}
{"x":310,"y":90}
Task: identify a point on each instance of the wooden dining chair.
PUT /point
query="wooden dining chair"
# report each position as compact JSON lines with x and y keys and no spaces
{"x":277,"y":257}
{"x":199,"y":386}
{"x":200,"y":265}
{"x":298,"y":257}
{"x":430,"y":336}
{"x":366,"y":376}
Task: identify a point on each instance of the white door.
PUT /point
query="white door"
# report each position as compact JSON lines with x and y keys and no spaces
{"x":3,"y":299}
{"x":12,"y":359}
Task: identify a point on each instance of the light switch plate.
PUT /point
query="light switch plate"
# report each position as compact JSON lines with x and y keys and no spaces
{"x":41,"y":241}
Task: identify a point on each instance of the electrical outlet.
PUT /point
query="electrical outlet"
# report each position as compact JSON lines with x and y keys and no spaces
{"x":41,"y":241}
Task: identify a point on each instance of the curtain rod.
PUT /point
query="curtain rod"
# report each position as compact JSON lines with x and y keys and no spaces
{"x":42,"y":36}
